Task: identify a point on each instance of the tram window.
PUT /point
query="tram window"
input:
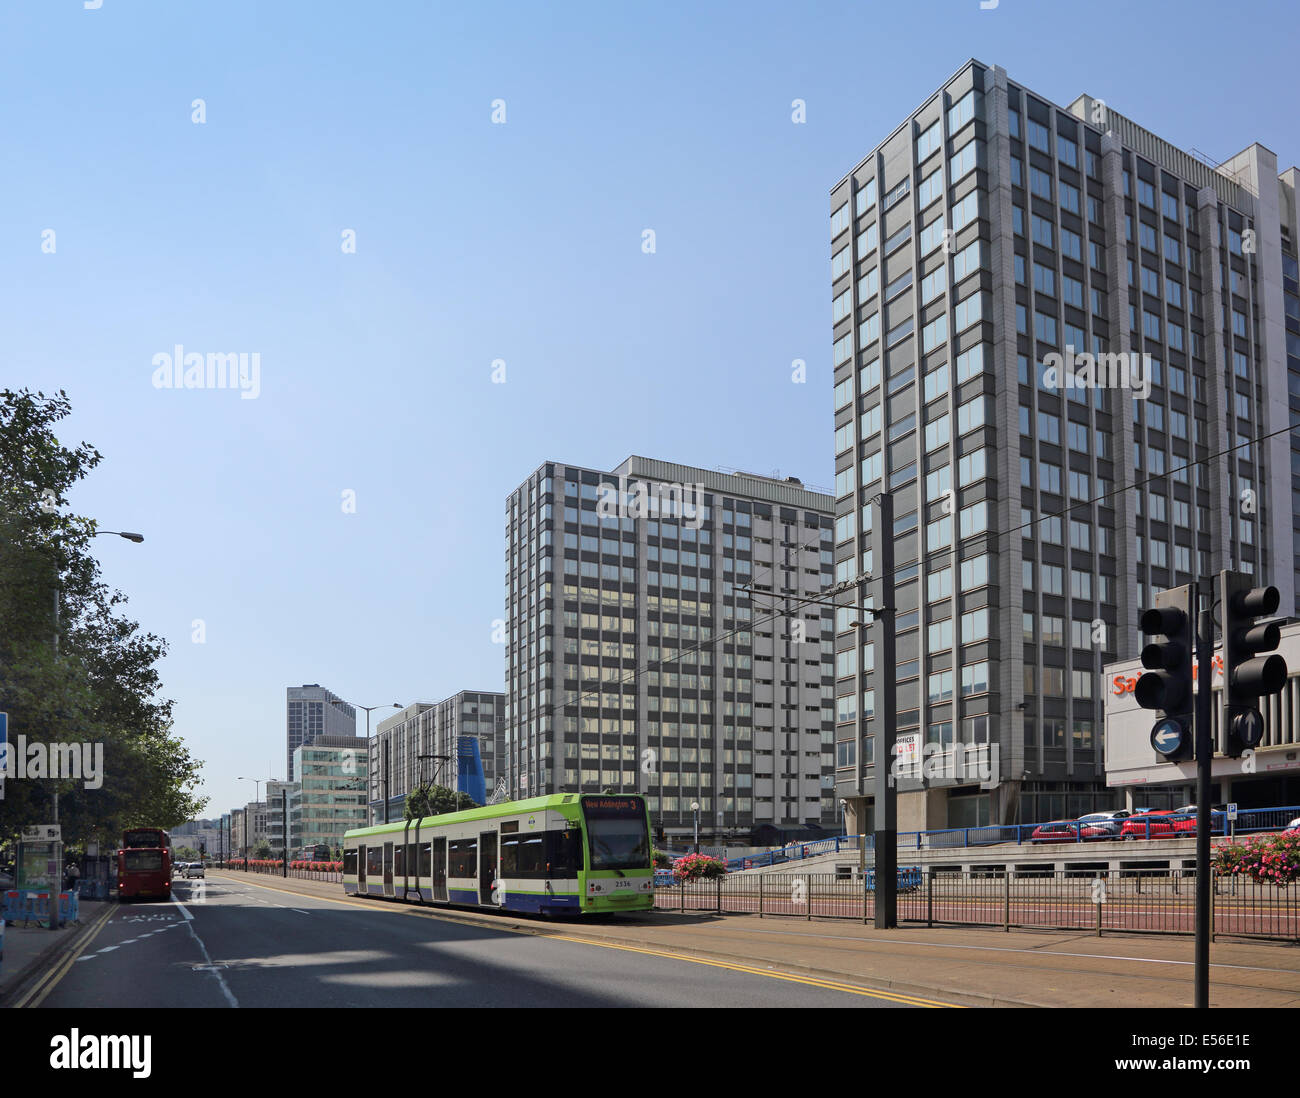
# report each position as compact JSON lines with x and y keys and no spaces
{"x":412,"y":860}
{"x":350,"y":862}
{"x":509,"y":827}
{"x":462,"y":857}
{"x":532,"y":857}
{"x":510,"y":857}
{"x":399,"y":860}
{"x":426,"y":861}
{"x":374,"y":861}
{"x":564,"y":852}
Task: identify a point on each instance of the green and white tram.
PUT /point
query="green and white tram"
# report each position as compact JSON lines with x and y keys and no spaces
{"x":571,"y":853}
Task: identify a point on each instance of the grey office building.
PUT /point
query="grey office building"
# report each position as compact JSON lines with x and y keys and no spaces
{"x":991,"y":259}
{"x":312,"y":711}
{"x":421,"y":743}
{"x":659,"y":641}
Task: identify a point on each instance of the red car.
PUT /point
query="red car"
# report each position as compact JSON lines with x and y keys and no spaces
{"x":1070,"y":831}
{"x":1158,"y":825}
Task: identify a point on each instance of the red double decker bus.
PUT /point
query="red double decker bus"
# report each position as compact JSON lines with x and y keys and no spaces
{"x":144,"y":865}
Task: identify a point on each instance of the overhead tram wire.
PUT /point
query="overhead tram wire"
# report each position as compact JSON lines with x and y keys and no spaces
{"x":925,"y":557}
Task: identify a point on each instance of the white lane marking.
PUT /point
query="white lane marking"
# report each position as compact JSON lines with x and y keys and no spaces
{"x":300,"y":911}
{"x":183,"y":910}
{"x":214,"y":969}
{"x":106,"y":949}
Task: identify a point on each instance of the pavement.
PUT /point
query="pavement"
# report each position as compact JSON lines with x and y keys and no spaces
{"x":963,"y":966}
{"x":30,"y":951}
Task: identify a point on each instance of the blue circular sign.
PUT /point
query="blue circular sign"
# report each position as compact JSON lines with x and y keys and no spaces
{"x":1167,"y":737}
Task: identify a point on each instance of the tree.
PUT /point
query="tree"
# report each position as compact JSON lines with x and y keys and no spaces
{"x":185,"y":854}
{"x":436,"y":800}
{"x":73,"y":669}
{"x":262,"y":849}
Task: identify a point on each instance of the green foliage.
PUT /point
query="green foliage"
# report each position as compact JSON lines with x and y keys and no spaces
{"x":436,"y":800}
{"x":100,"y":685}
{"x":263,"y":850}
{"x":185,"y":854}
{"x":661,"y":860}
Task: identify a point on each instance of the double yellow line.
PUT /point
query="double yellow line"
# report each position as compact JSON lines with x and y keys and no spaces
{"x":811,"y":981}
{"x":35,"y":995}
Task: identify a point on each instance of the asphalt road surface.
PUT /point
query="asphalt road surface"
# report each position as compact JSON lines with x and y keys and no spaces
{"x":224,"y":943}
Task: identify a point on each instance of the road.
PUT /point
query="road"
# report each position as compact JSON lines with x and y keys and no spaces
{"x":233,"y":943}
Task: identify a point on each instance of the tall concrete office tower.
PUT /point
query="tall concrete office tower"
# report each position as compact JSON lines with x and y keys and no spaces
{"x":992,"y":260}
{"x":658,"y":642}
{"x":312,"y":711}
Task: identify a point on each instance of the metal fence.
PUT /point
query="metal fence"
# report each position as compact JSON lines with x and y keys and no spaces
{"x":334,"y":876}
{"x":1125,"y":901}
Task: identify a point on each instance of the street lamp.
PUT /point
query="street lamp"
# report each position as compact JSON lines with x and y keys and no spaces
{"x":58,"y":599}
{"x":369,"y":709}
{"x":257,"y":799}
{"x":695,"y":808}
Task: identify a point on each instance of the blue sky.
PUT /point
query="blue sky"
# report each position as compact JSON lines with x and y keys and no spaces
{"x":474,"y":242}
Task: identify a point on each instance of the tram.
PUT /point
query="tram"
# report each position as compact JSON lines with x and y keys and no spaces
{"x":565,"y":854}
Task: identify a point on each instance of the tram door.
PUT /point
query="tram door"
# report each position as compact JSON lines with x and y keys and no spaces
{"x":440,"y":869}
{"x":388,"y":869}
{"x":487,"y":865}
{"x":361,"y":868}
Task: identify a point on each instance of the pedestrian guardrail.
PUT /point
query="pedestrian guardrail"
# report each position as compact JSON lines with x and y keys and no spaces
{"x":1122,"y":901}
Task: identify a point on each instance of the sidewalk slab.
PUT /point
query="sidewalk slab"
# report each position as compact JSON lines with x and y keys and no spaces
{"x":29,"y":951}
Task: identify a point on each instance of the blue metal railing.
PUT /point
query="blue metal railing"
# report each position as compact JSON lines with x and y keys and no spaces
{"x":1248,"y":821}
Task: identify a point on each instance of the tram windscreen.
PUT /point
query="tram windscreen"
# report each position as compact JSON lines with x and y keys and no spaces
{"x":617,"y":835}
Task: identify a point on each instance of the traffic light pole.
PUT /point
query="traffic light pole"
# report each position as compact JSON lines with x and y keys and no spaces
{"x":886,"y":800}
{"x":1204,"y":760}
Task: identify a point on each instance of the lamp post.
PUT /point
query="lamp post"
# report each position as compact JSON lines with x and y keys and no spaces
{"x":257,"y":790}
{"x":57,"y":883}
{"x":370,"y":777}
{"x":695,"y":808}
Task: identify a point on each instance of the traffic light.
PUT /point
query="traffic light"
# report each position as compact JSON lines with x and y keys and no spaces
{"x":1167,"y":684}
{"x":1247,"y":676}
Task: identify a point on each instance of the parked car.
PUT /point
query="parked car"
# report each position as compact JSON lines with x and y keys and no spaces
{"x":194,"y":869}
{"x":1103,"y":825}
{"x":1163,"y":824}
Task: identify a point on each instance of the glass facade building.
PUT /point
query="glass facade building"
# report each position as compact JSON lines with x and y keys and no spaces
{"x":329,"y":797}
{"x":1055,"y":337}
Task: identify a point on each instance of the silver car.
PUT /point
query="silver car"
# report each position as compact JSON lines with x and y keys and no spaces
{"x":194,"y":869}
